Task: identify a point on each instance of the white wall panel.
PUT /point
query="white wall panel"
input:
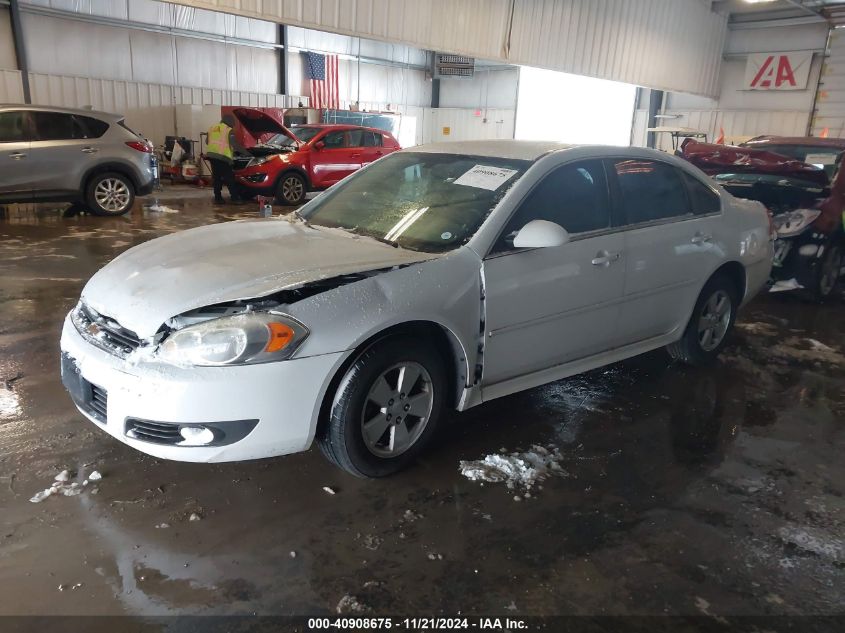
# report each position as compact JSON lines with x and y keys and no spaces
{"x":158,"y":13}
{"x":667,"y":44}
{"x":149,"y":108}
{"x":11,"y":89}
{"x":134,"y":55}
{"x":487,"y":89}
{"x":464,"y":125}
{"x":7,"y":46}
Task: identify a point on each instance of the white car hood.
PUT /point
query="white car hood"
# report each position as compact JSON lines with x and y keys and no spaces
{"x":145,"y":286}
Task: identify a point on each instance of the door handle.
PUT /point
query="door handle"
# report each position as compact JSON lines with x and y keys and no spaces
{"x":701,"y":238}
{"x":17,"y":155}
{"x":603,"y":258}
{"x":89,"y":150}
{"x":379,"y":153}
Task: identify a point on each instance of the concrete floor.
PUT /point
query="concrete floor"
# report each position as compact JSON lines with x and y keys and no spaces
{"x":715,"y":491}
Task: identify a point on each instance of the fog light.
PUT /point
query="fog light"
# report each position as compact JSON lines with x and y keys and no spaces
{"x":196,"y":435}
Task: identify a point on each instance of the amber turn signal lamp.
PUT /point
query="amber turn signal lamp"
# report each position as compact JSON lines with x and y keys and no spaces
{"x":280,"y":336}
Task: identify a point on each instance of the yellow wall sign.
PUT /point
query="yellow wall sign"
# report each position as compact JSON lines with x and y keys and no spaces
{"x":447,"y":131}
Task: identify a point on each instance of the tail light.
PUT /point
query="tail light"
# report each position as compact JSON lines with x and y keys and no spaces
{"x":141,"y":146}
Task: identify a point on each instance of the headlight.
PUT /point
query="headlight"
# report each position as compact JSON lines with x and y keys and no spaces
{"x":255,"y":162}
{"x":794,"y":222}
{"x":243,"y":339}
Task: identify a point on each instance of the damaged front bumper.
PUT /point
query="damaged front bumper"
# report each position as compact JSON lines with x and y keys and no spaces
{"x":797,"y":260}
{"x":252,"y":411}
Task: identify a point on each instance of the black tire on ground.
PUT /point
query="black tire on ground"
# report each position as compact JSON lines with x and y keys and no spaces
{"x":694,"y":347}
{"x":291,"y":189}
{"x":827,"y":276}
{"x":109,"y":194}
{"x":375,"y":378}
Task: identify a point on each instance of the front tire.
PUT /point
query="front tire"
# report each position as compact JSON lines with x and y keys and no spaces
{"x":109,"y":194}
{"x":712,"y":320}
{"x":386,"y":408}
{"x":291,"y":189}
{"x":827,"y":276}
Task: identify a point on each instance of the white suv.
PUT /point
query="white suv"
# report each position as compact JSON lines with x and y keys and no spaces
{"x":80,"y":156}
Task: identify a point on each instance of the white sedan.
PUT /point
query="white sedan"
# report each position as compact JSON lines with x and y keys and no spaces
{"x":437,"y":278}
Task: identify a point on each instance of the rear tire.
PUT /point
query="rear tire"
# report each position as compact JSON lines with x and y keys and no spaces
{"x":711,"y":322}
{"x":291,"y":189}
{"x":386,"y":409}
{"x":109,"y":194}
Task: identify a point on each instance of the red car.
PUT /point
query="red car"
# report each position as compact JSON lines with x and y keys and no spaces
{"x":307,"y":158}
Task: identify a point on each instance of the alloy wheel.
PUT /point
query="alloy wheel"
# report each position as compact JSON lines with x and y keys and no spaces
{"x":292,"y":189}
{"x":112,"y":195}
{"x":714,"y":320}
{"x":397,"y":409}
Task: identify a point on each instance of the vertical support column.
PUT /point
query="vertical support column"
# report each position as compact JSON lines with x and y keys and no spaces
{"x":655,"y":102}
{"x":20,"y":48}
{"x":435,"y":93}
{"x":283,"y":60}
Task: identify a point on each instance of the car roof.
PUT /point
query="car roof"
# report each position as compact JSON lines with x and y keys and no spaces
{"x":812,"y":141}
{"x":81,"y":111}
{"x":503,"y":148}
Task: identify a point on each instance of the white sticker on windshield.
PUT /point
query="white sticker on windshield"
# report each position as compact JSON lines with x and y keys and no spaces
{"x":820,"y":159}
{"x":485,"y":177}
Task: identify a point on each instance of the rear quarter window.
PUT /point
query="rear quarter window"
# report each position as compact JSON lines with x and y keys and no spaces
{"x":702,"y":198}
{"x":91,"y":127}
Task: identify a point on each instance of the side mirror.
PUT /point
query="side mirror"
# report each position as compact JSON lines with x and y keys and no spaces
{"x":319,"y":145}
{"x":540,"y":234}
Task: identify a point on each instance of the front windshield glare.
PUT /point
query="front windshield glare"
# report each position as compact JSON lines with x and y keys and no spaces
{"x":421,"y":201}
{"x":305,"y":134}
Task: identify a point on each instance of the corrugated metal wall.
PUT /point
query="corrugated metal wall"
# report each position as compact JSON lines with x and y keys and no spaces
{"x":830,"y":100}
{"x":149,"y":108}
{"x":666,"y":44}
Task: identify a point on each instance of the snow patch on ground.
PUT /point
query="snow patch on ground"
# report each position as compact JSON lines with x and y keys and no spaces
{"x":815,"y":541}
{"x":62,"y":486}
{"x":517,"y":470}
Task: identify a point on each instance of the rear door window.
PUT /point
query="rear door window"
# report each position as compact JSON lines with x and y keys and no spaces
{"x":373,"y":139}
{"x":650,"y":191}
{"x":13,"y":127}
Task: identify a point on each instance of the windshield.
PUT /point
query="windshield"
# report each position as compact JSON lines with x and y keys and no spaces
{"x":305,"y":134}
{"x":421,"y":201}
{"x":820,"y":156}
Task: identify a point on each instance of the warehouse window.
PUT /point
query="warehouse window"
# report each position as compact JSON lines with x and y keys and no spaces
{"x":12,"y":127}
{"x":650,"y":191}
{"x":573,"y":196}
{"x":704,"y":200}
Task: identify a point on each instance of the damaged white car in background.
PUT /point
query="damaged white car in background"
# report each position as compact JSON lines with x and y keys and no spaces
{"x":436,"y":278}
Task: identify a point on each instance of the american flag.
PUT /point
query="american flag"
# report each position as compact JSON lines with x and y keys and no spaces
{"x":321,"y":71}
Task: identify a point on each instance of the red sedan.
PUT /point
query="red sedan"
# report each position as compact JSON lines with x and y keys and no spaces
{"x":310,"y":158}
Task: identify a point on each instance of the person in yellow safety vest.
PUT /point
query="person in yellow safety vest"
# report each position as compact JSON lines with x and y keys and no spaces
{"x":220,"y":151}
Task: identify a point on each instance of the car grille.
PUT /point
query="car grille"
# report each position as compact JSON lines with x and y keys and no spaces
{"x":98,"y":406}
{"x":156,"y":432}
{"x":105,"y":333}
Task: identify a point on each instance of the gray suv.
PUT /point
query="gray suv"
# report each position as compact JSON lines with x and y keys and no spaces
{"x":78,"y":156}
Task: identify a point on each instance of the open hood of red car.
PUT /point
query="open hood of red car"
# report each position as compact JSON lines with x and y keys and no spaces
{"x":724,"y":159}
{"x":263,"y":123}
